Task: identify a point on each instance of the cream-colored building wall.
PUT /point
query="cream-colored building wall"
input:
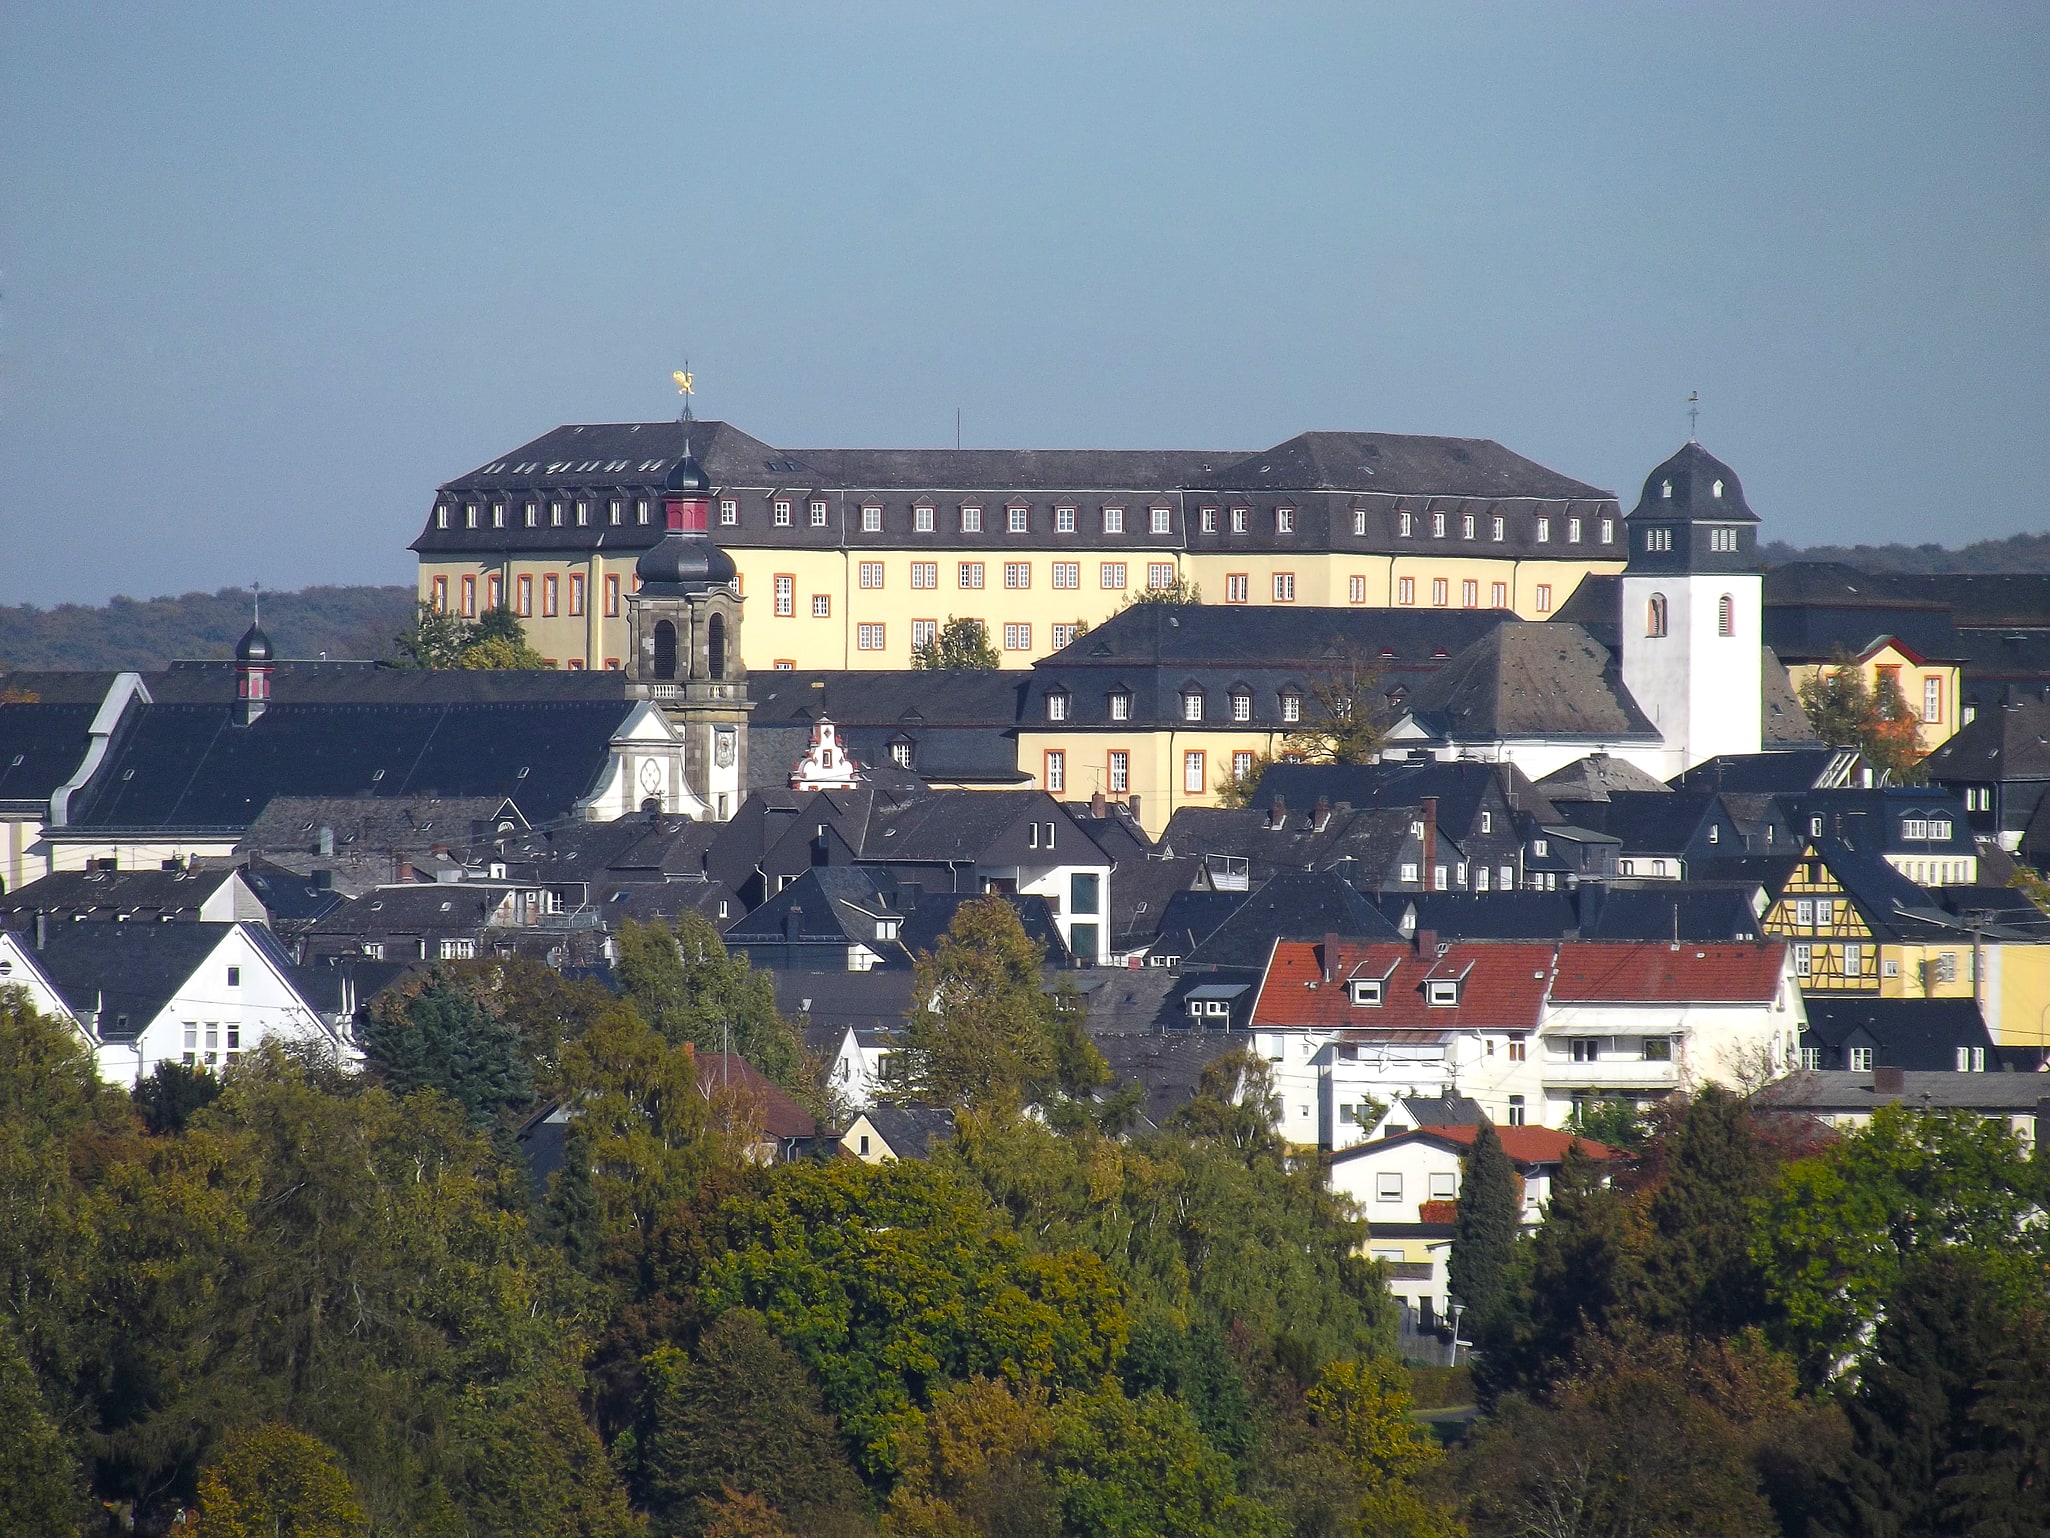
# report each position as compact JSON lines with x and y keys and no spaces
{"x":23,"y":858}
{"x":1914,"y":678}
{"x":1156,"y":766}
{"x":2016,"y":996}
{"x":806,"y":639}
{"x":149,"y":854}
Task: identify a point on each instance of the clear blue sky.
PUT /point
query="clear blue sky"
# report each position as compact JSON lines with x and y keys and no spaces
{"x":268,"y":272}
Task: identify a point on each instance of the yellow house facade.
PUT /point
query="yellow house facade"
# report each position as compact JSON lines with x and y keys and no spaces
{"x":851,"y":558}
{"x":1837,"y":949}
{"x":1931,"y":687}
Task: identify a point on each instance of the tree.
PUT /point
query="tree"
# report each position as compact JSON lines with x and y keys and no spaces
{"x":39,"y":1487}
{"x":983,"y":1028}
{"x":1365,"y":1406}
{"x":1236,"y":788}
{"x":687,"y":985}
{"x":1235,"y":1104}
{"x":1345,"y":716}
{"x":1139,"y":1468}
{"x":1179,"y":593}
{"x":437,"y":639}
{"x":438,"y":1033}
{"x":1911,"y":1415}
{"x":273,"y":1482}
{"x":1699,"y":1269}
{"x":1836,"y":1229}
{"x":741,"y":1418}
{"x":539,"y":1005}
{"x":1485,"y":1227}
{"x":532,"y":1464}
{"x":959,"y":646}
{"x":1847,"y":712}
{"x":167,"y":1099}
{"x":977,"y":1462}
{"x":1998,"y":1484}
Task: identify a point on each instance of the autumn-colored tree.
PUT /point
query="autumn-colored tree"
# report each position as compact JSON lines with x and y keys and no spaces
{"x":1847,"y":712}
{"x":984,"y":1029}
{"x":437,"y":639}
{"x":977,"y":1462}
{"x":1177,"y":594}
{"x":1345,"y":715}
{"x":40,"y":1493}
{"x":1365,"y":1407}
{"x":1235,"y":787}
{"x":271,"y":1481}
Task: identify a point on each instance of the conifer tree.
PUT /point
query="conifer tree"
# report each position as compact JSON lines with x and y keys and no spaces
{"x":1485,"y":1228}
{"x":1702,"y":1277}
{"x":442,"y":1037}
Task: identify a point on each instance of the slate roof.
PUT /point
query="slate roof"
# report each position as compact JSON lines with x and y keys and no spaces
{"x":1648,"y":822}
{"x":186,"y":765}
{"x":927,"y":919}
{"x":1917,"y":1034}
{"x":1793,"y":769}
{"x":1876,"y":819}
{"x":957,"y":725}
{"x":912,"y":1131}
{"x":436,"y":907}
{"x":1592,"y":779}
{"x":1227,"y":635}
{"x":1295,"y":905}
{"x":1460,"y":787}
{"x":1813,"y":632}
{"x":136,"y":895}
{"x":835,"y":1002}
{"x":134,"y":969}
{"x":1371,"y":837}
{"x":1399,"y":463}
{"x":1446,"y":1110}
{"x":1502,"y":986}
{"x":1783,"y":723}
{"x":1704,"y":488}
{"x":1187,"y":919}
{"x":1531,"y":679}
{"x":2009,"y":741}
{"x":1840,"y":1091}
{"x":41,"y":746}
{"x":1593,"y":911}
{"x":1653,"y":973}
{"x":1140,"y":894}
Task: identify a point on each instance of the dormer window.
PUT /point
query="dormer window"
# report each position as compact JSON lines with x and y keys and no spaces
{"x":1540,"y":847}
{"x":1405,"y":524}
{"x":922,"y":518}
{"x":441,"y":516}
{"x":1239,"y":515}
{"x":1120,"y":706}
{"x":1466,"y":526}
{"x":1163,"y":519}
{"x":971,"y":520}
{"x":1437,"y":525}
{"x":1241,"y":705}
{"x":1020,"y":519}
{"x":1366,"y":992}
{"x":818,"y":515}
{"x":1113,"y":520}
{"x":871,"y":520}
{"x":1284,"y":520}
{"x":1291,"y":706}
{"x":1057,"y":705}
{"x":1716,"y":489}
{"x":1192,"y":705}
{"x":1442,"y":992}
{"x":1666,"y":491}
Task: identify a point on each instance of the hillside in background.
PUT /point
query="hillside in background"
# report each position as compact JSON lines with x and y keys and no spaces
{"x":2020,"y":552}
{"x":148,"y":633}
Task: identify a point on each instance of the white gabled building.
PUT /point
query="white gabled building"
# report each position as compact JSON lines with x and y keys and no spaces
{"x":143,"y":994}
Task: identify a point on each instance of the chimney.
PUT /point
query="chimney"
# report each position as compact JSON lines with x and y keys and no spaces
{"x":1427,"y":942}
{"x":401,"y":868}
{"x":325,"y":845}
{"x":1132,"y":806}
{"x":439,"y":850}
{"x":323,"y":881}
{"x":1889,"y":1081}
{"x":1277,"y":814}
{"x":1322,"y":813}
{"x":1099,"y":805}
{"x":1330,"y":957}
{"x":42,"y":928}
{"x":348,"y":1010}
{"x":1429,"y":806}
{"x":793,"y":923}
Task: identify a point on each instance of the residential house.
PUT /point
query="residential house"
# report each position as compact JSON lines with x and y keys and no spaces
{"x":883,"y":1134}
{"x":1846,"y":1099}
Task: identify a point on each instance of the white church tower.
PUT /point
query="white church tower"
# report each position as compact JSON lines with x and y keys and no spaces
{"x":1691,"y":609}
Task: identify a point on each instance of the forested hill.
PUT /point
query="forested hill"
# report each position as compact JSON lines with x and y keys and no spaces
{"x":148,"y":633}
{"x":2018,"y":553}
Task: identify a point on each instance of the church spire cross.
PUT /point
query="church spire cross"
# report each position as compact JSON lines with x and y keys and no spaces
{"x":1693,"y":415}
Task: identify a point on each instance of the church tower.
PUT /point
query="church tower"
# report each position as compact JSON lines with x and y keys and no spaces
{"x":1692,"y":605}
{"x":684,"y":620}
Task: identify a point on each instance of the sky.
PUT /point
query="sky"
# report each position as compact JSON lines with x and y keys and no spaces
{"x":270,"y":273}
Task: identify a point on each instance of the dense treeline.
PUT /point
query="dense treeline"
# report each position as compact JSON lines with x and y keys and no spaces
{"x":2016,"y":553}
{"x":302,"y":1300}
{"x":357,"y":622}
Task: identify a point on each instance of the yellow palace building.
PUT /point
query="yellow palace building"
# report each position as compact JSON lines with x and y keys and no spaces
{"x":851,"y":557}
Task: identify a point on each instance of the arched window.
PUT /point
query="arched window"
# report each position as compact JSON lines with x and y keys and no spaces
{"x":665,"y":649}
{"x":1726,"y":615}
{"x":1655,"y":615}
{"x":715,"y":647}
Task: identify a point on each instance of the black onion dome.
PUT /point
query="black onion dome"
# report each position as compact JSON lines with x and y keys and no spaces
{"x":688,"y":475}
{"x":1694,"y":484}
{"x":684,"y":561}
{"x":254,"y":646}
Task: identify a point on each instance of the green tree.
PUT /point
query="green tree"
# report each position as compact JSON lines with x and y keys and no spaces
{"x":1485,"y":1227}
{"x":888,"y":1280}
{"x":1178,"y":594}
{"x":1236,"y":788}
{"x":1998,"y":1483}
{"x":1365,"y":1407}
{"x":686,"y":985}
{"x":1836,"y":1229}
{"x":40,"y":1494}
{"x":167,"y":1099}
{"x":1936,"y":1343}
{"x":741,"y":1417}
{"x":1699,"y":1268}
{"x":438,"y":1033}
{"x":273,"y":1482}
{"x":958,"y":646}
{"x":1847,"y":712}
{"x":539,"y":1005}
{"x":977,"y":1462}
{"x":532,"y":1467}
{"x":436,"y":638}
{"x":1140,"y":1468}
{"x":984,"y":1029}
{"x":1235,"y":1104}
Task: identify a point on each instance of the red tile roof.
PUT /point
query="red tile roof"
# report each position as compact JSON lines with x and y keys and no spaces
{"x":1501,"y":985}
{"x":1656,"y":973}
{"x":1524,"y":1145}
{"x":781,"y":1116}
